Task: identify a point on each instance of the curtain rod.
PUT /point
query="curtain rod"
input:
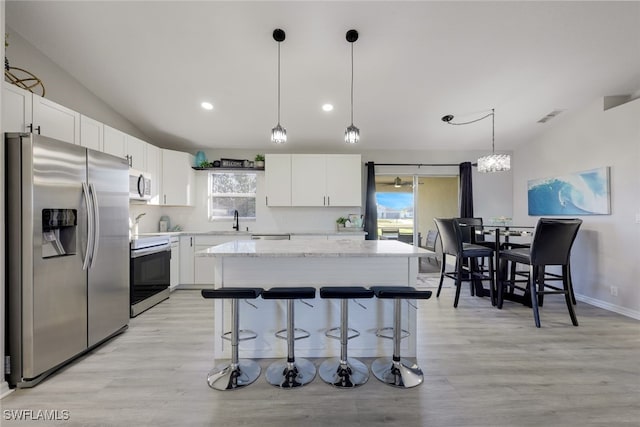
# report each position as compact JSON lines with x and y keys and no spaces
{"x":418,"y":164}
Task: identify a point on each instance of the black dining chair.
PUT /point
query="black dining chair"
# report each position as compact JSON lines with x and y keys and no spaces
{"x":452,"y":238}
{"x":472,"y":232}
{"x":551,"y":246}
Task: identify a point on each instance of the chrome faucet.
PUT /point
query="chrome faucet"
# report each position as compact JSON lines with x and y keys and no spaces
{"x":236,"y":221}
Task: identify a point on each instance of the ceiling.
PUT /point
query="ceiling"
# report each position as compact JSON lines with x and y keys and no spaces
{"x":155,"y":62}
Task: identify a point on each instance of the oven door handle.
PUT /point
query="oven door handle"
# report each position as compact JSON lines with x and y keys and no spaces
{"x":149,"y":251}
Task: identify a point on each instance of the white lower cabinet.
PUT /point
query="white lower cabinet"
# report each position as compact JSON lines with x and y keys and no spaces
{"x":204,"y":266}
{"x":175,"y":263}
{"x":187,"y":249}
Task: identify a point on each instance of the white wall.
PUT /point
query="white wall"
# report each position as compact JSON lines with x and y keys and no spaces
{"x":61,"y":87}
{"x":606,"y":249}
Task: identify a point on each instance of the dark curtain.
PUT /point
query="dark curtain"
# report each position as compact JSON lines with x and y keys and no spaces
{"x":370,"y":209}
{"x":466,"y":191}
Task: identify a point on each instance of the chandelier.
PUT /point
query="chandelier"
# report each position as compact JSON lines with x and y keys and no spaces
{"x":492,"y":162}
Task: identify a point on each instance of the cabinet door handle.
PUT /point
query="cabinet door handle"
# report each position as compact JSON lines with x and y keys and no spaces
{"x":328,"y":200}
{"x":31,"y":128}
{"x":165,"y":199}
{"x":191,"y":241}
{"x":266,"y":200}
{"x":324,"y":200}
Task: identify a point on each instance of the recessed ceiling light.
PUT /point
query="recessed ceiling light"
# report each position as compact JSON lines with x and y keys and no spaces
{"x":207,"y":105}
{"x":327,"y":107}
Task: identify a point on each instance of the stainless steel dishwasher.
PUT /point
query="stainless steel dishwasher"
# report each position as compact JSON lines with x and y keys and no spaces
{"x":271,"y":236}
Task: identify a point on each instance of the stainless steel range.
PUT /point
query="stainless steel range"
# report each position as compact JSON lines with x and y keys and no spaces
{"x":150,"y":272}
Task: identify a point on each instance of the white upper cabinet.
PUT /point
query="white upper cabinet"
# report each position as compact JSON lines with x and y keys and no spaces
{"x":129,"y":147}
{"x":55,"y":121}
{"x":313,"y":179}
{"x":91,"y":133}
{"x":137,"y":152}
{"x":23,"y":111}
{"x":326,"y":180}
{"x":178,"y":179}
{"x":17,"y":112}
{"x":154,"y":167}
{"x":115,"y":142}
{"x":278,"y":179}
{"x":344,"y":180}
{"x":308,"y":180}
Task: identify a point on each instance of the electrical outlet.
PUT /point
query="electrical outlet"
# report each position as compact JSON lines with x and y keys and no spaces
{"x":614,"y":291}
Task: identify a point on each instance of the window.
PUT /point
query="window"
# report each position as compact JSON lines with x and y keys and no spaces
{"x":230,"y":191}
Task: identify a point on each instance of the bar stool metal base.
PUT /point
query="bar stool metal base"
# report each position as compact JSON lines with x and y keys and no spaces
{"x":285,"y":374}
{"x":352,"y":374}
{"x":402,"y":374}
{"x":229,"y":377}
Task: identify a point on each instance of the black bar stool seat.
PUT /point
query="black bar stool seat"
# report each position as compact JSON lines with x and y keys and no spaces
{"x":396,"y":371}
{"x":344,"y":372}
{"x":237,"y":373}
{"x":292,"y":372}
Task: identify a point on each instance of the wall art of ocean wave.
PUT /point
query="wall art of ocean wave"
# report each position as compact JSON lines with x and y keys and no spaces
{"x":580,"y":193}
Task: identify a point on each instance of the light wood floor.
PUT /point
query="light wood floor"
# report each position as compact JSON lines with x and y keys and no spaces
{"x":483,"y":367}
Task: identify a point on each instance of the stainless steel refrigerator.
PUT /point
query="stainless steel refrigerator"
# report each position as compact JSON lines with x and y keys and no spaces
{"x":67,"y":252}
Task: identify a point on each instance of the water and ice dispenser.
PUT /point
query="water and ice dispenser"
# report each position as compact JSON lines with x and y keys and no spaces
{"x":59,"y":227}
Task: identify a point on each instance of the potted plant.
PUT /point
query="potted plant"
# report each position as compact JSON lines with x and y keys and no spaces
{"x":259,"y":161}
{"x":341,"y":222}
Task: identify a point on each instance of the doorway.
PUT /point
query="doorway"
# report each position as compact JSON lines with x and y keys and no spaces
{"x":407,"y":205}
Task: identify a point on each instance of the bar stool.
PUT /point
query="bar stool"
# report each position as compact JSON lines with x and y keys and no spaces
{"x":344,"y":372}
{"x":396,"y":371}
{"x":292,"y":372}
{"x":237,"y":373}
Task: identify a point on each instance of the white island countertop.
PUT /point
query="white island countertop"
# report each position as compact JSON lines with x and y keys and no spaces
{"x":313,"y":248}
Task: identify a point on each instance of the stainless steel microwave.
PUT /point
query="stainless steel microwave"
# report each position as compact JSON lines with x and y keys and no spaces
{"x":139,"y":186}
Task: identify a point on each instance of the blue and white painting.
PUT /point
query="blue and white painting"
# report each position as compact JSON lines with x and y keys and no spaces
{"x":579,"y":193}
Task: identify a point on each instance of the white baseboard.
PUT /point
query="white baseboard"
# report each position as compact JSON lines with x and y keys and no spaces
{"x":634,"y":314}
{"x":4,"y":389}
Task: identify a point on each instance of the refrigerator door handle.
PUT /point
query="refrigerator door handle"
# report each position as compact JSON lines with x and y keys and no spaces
{"x":90,"y":221}
{"x":96,"y":223}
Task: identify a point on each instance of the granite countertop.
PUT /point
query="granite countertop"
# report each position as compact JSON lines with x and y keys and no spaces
{"x":314,"y":248}
{"x":249,"y":233}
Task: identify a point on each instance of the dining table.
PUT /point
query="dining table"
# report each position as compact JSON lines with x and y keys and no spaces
{"x":502,"y":238}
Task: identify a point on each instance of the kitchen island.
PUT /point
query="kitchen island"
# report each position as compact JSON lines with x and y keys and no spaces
{"x":317,"y":263}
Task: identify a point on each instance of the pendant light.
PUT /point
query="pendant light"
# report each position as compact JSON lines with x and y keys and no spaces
{"x":492,"y":162}
{"x":352,"y":133}
{"x":278,"y":133}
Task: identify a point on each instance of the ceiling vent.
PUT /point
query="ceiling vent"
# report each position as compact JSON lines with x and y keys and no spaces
{"x":550,"y":116}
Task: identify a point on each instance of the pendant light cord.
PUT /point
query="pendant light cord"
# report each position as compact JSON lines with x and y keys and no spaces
{"x":493,"y":131}
{"x":351,"y":83}
{"x":278,"y":83}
